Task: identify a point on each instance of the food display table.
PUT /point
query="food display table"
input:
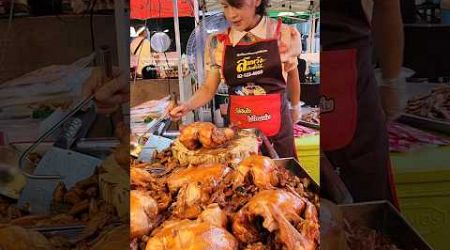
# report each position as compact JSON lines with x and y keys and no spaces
{"x":423,"y":185}
{"x":308,"y":152}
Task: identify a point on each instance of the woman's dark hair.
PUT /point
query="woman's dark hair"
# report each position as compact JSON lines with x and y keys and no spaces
{"x":261,"y":10}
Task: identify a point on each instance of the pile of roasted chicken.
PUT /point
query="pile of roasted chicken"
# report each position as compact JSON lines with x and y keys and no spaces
{"x":340,"y":233}
{"x":256,"y":205}
{"x":361,"y":237}
{"x":313,"y":116}
{"x":79,"y":206}
{"x":435,"y":105}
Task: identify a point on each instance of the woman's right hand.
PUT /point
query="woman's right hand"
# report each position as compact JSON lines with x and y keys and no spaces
{"x":179,"y":111}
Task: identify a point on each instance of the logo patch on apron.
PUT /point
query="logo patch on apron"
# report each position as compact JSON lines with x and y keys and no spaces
{"x":252,"y":64}
{"x":326,"y":104}
{"x":251,"y":118}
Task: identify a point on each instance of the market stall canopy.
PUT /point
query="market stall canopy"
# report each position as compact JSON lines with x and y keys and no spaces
{"x":291,"y":17}
{"x":275,"y":5}
{"x":148,"y":9}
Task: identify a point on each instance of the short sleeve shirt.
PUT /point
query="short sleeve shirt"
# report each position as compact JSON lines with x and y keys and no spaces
{"x":265,"y":29}
{"x":143,"y":53}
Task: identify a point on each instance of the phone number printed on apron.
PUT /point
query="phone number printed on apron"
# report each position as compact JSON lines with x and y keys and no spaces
{"x":254,"y":73}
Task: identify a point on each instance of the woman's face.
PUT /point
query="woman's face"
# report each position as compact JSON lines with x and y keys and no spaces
{"x":244,"y":17}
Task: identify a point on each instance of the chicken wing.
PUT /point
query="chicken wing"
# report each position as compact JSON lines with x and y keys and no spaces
{"x":189,"y":136}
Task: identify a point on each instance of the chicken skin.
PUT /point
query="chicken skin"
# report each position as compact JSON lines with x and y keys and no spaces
{"x":205,"y":233}
{"x":207,"y":174}
{"x":204,"y":134}
{"x":280,"y":212}
{"x":261,"y":169}
{"x":143,"y":213}
{"x":140,"y":179}
{"x":195,"y":184}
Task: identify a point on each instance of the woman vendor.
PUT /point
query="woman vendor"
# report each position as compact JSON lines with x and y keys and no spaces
{"x":353,"y":134}
{"x":257,"y":59}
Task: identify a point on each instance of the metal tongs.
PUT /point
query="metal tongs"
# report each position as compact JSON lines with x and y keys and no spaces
{"x":107,"y":63}
{"x":270,"y":149}
{"x":164,"y":119}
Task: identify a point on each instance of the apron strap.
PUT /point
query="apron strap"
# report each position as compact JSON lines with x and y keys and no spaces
{"x":225,"y":38}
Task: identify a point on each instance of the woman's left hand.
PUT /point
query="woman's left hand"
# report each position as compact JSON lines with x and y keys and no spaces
{"x":391,"y":101}
{"x":289,"y":44}
{"x":392,"y":98}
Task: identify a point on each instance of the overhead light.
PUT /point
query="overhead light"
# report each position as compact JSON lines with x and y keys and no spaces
{"x":286,"y":14}
{"x":166,"y":30}
{"x":209,"y":31}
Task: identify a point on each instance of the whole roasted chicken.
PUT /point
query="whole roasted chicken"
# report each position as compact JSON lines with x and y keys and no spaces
{"x":291,"y":219}
{"x":207,"y":232}
{"x":195,"y":185}
{"x":143,"y":213}
{"x":204,"y":134}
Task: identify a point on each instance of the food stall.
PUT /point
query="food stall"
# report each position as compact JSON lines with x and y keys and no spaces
{"x":202,"y":178}
{"x":306,"y":22}
{"x":67,"y":190}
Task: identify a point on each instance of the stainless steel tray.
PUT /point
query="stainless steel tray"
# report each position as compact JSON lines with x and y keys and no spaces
{"x":309,"y":124}
{"x":383,"y":217}
{"x":414,"y":89}
{"x":71,"y":232}
{"x":426,"y":123}
{"x":294,"y":166}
